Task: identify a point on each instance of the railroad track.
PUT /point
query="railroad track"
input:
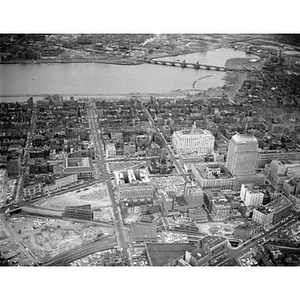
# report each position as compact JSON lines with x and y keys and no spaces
{"x":64,"y":259}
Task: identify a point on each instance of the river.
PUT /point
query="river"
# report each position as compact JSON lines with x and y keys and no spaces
{"x":96,"y":78}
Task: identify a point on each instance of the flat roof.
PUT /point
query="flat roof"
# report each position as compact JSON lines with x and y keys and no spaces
{"x":131,"y":176}
{"x":248,"y":225}
{"x":279,"y":203}
{"x":80,"y":164}
{"x":201,"y":170}
{"x":163,"y":253}
{"x":275,"y":205}
{"x":211,"y":240}
{"x":142,"y":230}
{"x":197,"y":132}
{"x":244,"y":138}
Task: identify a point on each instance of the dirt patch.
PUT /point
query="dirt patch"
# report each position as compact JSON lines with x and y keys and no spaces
{"x":49,"y":237}
{"x":218,"y":228}
{"x":96,"y":195}
{"x":123,"y":165}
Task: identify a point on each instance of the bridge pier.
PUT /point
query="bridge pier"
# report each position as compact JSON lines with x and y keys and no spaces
{"x":184,"y":65}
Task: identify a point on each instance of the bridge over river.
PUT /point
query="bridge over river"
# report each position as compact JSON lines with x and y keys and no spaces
{"x":185,"y":64}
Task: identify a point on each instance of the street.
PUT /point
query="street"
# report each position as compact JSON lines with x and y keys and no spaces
{"x":105,"y":176}
{"x":236,"y":253}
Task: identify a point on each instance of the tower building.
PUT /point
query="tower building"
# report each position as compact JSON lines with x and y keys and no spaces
{"x":242,"y":154}
{"x":241,"y":160}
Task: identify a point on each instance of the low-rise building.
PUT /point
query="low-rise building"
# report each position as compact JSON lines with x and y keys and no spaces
{"x":208,"y":248}
{"x":60,"y":182}
{"x":110,"y":150}
{"x":223,"y":206}
{"x":144,"y":233}
{"x":273,"y":212}
{"x":13,"y":166}
{"x":213,"y":176}
{"x":33,"y":190}
{"x":82,"y":166}
{"x":247,"y":230}
{"x":280,"y":170}
{"x":78,"y":212}
{"x":266,"y":156}
{"x":291,"y":188}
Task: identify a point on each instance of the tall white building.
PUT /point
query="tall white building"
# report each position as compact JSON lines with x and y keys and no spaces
{"x":197,"y":141}
{"x":251,"y":195}
{"x":242,"y":154}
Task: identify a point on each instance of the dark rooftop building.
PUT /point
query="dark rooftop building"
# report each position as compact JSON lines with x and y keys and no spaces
{"x":160,"y":254}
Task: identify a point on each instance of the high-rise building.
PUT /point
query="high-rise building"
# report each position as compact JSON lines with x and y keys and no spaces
{"x":193,"y":141}
{"x":242,"y":155}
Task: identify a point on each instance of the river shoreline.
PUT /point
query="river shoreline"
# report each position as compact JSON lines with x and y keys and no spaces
{"x":101,"y":61}
{"x":182,"y":88}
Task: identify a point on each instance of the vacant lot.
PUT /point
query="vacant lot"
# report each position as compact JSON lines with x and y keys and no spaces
{"x":49,"y":237}
{"x":95,"y":195}
{"x":218,"y":228}
{"x":124,"y":165}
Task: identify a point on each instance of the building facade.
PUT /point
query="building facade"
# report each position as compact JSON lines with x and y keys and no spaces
{"x":291,"y":188}
{"x":273,"y":212}
{"x":252,"y":195}
{"x":133,"y":184}
{"x":195,"y":141}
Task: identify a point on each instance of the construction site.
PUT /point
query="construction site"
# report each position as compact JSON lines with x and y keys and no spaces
{"x":45,"y":238}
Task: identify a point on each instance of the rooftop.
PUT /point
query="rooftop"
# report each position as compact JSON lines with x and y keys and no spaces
{"x":163,"y":253}
{"x":248,"y":225}
{"x":206,"y":170}
{"x":78,"y":164}
{"x":142,"y":230}
{"x":193,"y":131}
{"x":199,"y":253}
{"x":275,"y":205}
{"x":244,"y":138}
{"x":211,"y":241}
{"x":131,"y":176}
